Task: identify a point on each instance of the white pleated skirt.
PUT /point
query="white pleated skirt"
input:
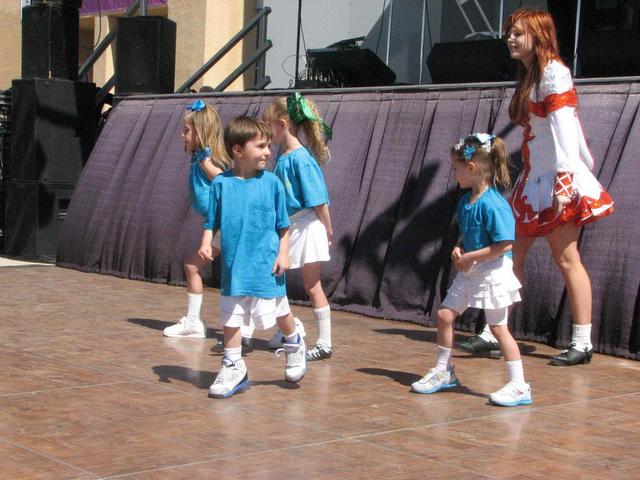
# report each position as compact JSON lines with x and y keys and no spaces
{"x":308,"y":241}
{"x":488,"y":285}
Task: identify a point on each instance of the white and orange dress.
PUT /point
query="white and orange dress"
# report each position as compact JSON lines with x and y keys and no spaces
{"x":556,"y":161}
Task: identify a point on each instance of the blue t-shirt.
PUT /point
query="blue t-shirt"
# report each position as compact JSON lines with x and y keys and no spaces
{"x":487,"y":221}
{"x":249,"y":213}
{"x":303,"y":180}
{"x":199,"y":187}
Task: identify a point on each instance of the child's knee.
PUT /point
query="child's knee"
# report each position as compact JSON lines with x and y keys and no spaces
{"x":446,"y":316}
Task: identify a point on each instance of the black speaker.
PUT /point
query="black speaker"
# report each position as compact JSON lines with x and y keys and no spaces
{"x":610,"y":54}
{"x":34,"y":212}
{"x":472,"y":61}
{"x":53,"y":129}
{"x":610,"y":39}
{"x":145,"y":55}
{"x":347,"y":67}
{"x":50,"y":41}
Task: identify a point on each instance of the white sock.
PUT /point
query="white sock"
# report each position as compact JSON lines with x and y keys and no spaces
{"x":581,"y":336}
{"x":487,"y":335}
{"x":516,"y":372}
{"x":233,"y":354}
{"x":247,"y":330}
{"x":194,"y":304}
{"x":323,"y":321}
{"x":443,"y":359}
{"x":293,"y":338}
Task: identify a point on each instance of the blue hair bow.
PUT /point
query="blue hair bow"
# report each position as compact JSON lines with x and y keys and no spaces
{"x":468,"y":151}
{"x":197,"y":106}
{"x":201,"y":154}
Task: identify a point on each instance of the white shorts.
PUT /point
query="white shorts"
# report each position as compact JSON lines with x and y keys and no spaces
{"x":242,"y":310}
{"x":308,"y":241}
{"x":490,"y":285}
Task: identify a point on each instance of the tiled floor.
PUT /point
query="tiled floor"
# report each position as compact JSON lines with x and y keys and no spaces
{"x":90,"y":389}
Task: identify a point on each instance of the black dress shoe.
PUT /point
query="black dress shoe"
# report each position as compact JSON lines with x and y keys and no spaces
{"x":478,"y":345}
{"x":218,"y":347}
{"x":247,"y":345}
{"x":572,"y":356}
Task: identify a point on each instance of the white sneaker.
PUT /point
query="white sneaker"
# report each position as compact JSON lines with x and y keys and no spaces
{"x":278,"y":338}
{"x":231,"y":378}
{"x":435,"y":380}
{"x":512,"y":394}
{"x":296,"y":364}
{"x":186,"y":328}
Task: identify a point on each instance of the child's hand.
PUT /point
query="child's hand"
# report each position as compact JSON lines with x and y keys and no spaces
{"x":463,"y":263}
{"x":330,"y":237}
{"x":559,"y":202}
{"x":456,"y":253}
{"x":281,"y":265}
{"x":205,"y":252}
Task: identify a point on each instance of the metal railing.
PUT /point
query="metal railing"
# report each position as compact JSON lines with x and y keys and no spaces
{"x":257,"y":57}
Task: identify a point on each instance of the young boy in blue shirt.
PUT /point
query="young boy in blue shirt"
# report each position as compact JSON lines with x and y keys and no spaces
{"x":248,"y":206}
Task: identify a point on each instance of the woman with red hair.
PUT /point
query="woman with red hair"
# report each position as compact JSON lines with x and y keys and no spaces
{"x":556,"y":192}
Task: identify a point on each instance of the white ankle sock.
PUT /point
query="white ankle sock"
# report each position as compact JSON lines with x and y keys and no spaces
{"x":194,"y":304}
{"x":443,"y":359}
{"x":233,"y":354}
{"x":516,"y":371}
{"x":323,"y":320}
{"x":487,"y":335}
{"x":293,"y":338}
{"x":581,"y":336}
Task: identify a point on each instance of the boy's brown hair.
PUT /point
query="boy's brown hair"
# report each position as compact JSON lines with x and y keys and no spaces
{"x":240,"y":130}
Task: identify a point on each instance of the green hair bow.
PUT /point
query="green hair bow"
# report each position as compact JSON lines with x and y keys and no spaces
{"x":299,"y":111}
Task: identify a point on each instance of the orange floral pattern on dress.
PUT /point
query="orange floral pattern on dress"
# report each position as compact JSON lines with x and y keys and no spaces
{"x":581,"y":208}
{"x":553,"y":102}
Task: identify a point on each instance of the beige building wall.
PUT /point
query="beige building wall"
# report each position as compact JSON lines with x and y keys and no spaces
{"x":10,"y":42}
{"x":203,"y":27}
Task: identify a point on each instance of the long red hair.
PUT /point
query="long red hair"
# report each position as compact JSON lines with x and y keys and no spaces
{"x":545,"y":44}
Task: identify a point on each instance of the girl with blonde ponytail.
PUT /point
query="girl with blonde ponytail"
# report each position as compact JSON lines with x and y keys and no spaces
{"x":307,"y":203}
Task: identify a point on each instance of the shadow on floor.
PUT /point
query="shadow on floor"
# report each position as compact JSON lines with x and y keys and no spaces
{"x":160,"y":325}
{"x":407,"y":378}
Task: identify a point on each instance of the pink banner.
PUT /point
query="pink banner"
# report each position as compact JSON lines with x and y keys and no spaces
{"x":93,"y":7}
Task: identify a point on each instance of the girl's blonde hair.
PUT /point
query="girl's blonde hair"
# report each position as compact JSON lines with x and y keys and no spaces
{"x":491,"y":156}
{"x":545,"y":44}
{"x":208,"y":129}
{"x":312,"y":130}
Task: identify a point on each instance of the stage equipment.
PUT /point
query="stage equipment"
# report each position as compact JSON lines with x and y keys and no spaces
{"x":347,"y":67}
{"x":53,"y":129}
{"x":145,"y":55}
{"x":471,"y":61}
{"x":610,"y":39}
{"x":34,"y":212}
{"x":52,"y":134}
{"x":50,"y":40}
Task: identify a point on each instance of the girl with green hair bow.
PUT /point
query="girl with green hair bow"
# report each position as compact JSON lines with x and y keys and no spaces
{"x":307,"y":201}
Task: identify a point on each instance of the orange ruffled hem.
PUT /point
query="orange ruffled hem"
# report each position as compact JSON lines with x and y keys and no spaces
{"x":580,"y":211}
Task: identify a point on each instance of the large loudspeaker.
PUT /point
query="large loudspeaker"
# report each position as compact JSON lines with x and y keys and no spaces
{"x":50,"y":40}
{"x":145,"y":55}
{"x":473,"y":61}
{"x":53,"y":132}
{"x":34,"y":214}
{"x":610,"y":39}
{"x":54,"y":123}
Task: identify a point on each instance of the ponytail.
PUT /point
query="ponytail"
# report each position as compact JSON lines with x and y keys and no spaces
{"x":500,"y":160}
{"x":315,"y":136}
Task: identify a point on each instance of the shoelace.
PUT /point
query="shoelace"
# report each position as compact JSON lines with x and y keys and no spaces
{"x":293,"y":358}
{"x":226,"y":371}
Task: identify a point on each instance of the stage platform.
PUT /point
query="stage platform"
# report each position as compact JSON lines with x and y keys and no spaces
{"x":91,"y":389}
